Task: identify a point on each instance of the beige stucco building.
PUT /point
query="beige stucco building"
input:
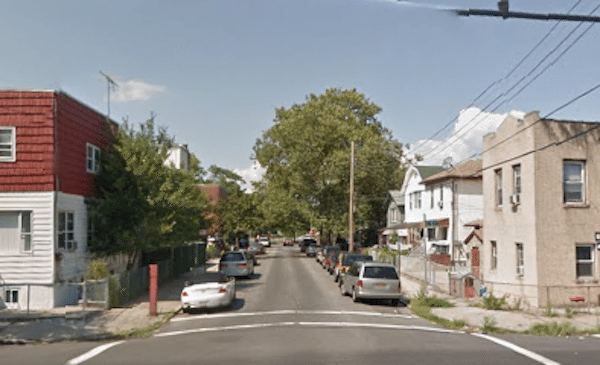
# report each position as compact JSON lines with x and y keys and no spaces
{"x":541,"y":186}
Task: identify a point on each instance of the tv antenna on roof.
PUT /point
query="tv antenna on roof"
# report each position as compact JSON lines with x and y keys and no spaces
{"x":111,"y":84}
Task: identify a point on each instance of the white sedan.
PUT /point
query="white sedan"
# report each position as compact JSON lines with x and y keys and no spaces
{"x":209,"y":290}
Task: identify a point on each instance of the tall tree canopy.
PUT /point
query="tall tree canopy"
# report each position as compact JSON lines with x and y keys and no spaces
{"x":144,"y":205}
{"x":307,"y":157}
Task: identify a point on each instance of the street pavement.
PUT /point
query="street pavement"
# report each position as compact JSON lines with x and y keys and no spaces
{"x":87,"y":324}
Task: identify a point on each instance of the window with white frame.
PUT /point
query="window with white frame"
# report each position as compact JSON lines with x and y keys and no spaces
{"x":520,"y":259}
{"x":516,"y":179}
{"x":92,"y":159}
{"x":8,"y":144}
{"x":573,"y":181}
{"x":66,"y":231}
{"x":431,"y":198}
{"x":584,"y":255}
{"x":418,"y":200}
{"x":498,"y":186}
{"x":15,"y":232}
{"x":493,"y":255}
{"x":394,"y":214}
{"x":441,"y":196}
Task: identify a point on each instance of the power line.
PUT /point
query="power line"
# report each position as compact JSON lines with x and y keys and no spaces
{"x":488,"y":88}
{"x":449,"y":143}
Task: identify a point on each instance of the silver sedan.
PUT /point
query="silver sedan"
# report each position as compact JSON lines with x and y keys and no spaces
{"x":371,"y":280}
{"x":236,"y":263}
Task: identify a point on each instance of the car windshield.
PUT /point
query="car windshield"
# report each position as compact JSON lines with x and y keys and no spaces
{"x":233,"y":256}
{"x":380,"y":272}
{"x":211,"y":277}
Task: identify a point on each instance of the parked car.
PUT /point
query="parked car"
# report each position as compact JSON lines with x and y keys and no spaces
{"x":307,"y":242}
{"x":256,"y":248}
{"x":330,"y":255}
{"x":236,"y":263}
{"x":325,"y":254}
{"x":332,"y":261}
{"x":250,"y":255}
{"x":345,"y":260}
{"x":264,"y":240}
{"x":371,"y":280}
{"x":209,"y":290}
{"x":311,"y":250}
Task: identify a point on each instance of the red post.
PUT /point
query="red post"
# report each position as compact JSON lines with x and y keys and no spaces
{"x":153,"y":275}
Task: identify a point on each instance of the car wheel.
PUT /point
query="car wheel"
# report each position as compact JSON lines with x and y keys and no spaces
{"x":354,"y":296}
{"x":395,"y":302}
{"x":185,"y":310}
{"x":342,"y":290}
{"x":337,"y":278}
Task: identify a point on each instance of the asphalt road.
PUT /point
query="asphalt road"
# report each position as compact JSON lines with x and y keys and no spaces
{"x":291,"y":312}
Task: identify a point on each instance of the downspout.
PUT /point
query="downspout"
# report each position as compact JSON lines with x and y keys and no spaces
{"x":55,"y":190}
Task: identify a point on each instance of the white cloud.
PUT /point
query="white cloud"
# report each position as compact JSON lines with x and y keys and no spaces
{"x":466,"y":139}
{"x":133,"y":90}
{"x":252,"y":173}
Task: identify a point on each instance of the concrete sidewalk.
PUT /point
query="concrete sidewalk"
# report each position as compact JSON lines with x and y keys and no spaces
{"x":466,"y":309}
{"x":77,"y":323}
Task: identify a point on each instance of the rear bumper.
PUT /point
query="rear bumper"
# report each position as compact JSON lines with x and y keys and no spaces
{"x":214,"y":301}
{"x":377,"y":295}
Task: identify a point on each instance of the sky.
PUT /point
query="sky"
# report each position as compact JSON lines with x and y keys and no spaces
{"x":214,"y":71}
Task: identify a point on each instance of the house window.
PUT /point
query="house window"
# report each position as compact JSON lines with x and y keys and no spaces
{"x":418,"y":200}
{"x":8,"y":144}
{"x":431,"y":234}
{"x":585,"y":260}
{"x":11,"y":296}
{"x":498,"y":186}
{"x":520,"y":260}
{"x":517,"y":179}
{"x":431,"y":197}
{"x":573,"y":181}
{"x":66,"y":230}
{"x":92,"y":159}
{"x":15,"y":232}
{"x":443,"y":233}
{"x":494,"y":255}
{"x":441,"y":196}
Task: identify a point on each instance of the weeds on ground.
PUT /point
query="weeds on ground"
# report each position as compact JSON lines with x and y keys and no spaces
{"x":147,"y":331}
{"x":553,"y":329}
{"x":421,"y":305}
{"x":494,"y":303}
{"x":489,"y":324}
{"x":548,"y":312}
{"x":569,"y":312}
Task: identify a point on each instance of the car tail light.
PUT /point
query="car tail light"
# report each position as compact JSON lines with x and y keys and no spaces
{"x":184,"y":294}
{"x":222,"y":290}
{"x":359,"y":284}
{"x":222,"y":266}
{"x":242,"y":265}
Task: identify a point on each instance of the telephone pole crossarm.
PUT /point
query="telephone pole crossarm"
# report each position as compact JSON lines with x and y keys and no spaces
{"x":520,"y":15}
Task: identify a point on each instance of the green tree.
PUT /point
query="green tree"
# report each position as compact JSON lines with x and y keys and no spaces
{"x":144,"y":205}
{"x":307,"y":157}
{"x":238,"y":211}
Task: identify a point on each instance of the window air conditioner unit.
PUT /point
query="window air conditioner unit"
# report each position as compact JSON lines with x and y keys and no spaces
{"x":515,"y":199}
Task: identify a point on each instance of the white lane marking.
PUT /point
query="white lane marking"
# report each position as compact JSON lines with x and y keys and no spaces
{"x":520,"y":350}
{"x":307,"y":324}
{"x":290,"y":312}
{"x":93,"y":352}
{"x":226,"y":328}
{"x":378,"y":326}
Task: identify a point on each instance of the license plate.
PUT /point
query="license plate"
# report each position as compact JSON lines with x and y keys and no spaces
{"x":381,"y":285}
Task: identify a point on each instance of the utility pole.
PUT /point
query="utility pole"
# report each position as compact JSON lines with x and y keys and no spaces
{"x":111,"y":84}
{"x":351,"y":209}
{"x":505,"y":14}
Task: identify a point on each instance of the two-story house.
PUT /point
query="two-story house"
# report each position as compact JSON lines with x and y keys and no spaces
{"x":541,"y":182}
{"x":50,"y":149}
{"x":416,"y":209}
{"x":394,"y":229}
{"x":451,"y":199}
